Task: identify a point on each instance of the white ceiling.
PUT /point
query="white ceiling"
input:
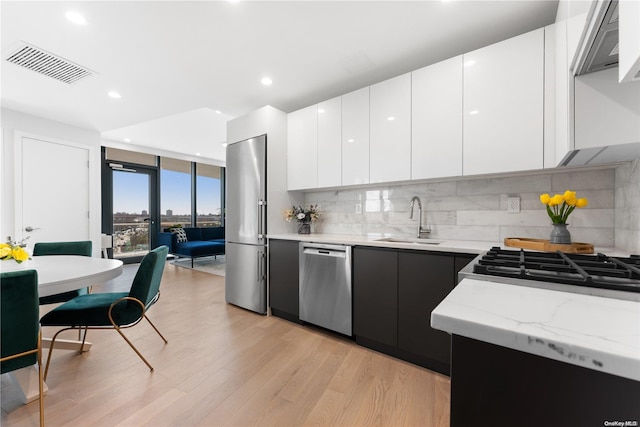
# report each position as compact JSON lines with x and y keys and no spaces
{"x":176,"y":62}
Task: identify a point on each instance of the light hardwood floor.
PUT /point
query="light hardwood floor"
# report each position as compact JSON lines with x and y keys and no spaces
{"x":225,"y":366}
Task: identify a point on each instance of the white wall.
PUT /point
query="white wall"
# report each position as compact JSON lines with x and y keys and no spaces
{"x":161,"y":152}
{"x":13,"y":122}
{"x":570,"y":8}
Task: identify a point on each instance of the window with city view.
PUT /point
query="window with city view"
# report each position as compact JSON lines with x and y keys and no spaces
{"x":208,"y":197}
{"x":175,"y":192}
{"x":133,"y":192}
{"x":130,"y":214}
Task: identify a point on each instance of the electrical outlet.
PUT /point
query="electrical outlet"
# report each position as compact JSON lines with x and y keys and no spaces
{"x":358,"y":208}
{"x":513,"y":204}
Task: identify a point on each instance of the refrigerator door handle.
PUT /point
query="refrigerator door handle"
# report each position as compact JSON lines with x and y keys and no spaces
{"x":261,"y":205}
{"x":260,"y":267}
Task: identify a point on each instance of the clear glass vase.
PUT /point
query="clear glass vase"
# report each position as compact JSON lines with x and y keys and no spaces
{"x":560,"y":234}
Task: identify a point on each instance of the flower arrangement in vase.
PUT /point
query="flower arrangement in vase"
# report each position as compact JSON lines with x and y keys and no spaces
{"x":559,"y":207}
{"x":304,"y":216}
{"x":13,"y":250}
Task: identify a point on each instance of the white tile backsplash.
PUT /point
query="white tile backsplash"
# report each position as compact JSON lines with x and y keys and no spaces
{"x":588,"y":180}
{"x":475,"y":209}
{"x":627,"y":207}
{"x":514,"y":184}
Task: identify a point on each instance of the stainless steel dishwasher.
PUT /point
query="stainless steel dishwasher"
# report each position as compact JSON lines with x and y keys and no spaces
{"x":325,"y":286}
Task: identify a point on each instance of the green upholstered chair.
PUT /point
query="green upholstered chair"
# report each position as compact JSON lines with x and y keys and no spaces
{"x":82,"y":248}
{"x":21,"y":344}
{"x":113,"y":310}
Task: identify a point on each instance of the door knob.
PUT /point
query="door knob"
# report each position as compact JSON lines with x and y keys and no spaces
{"x":29,"y":228}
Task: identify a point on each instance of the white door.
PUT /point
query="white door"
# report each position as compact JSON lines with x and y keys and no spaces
{"x":52,"y":194}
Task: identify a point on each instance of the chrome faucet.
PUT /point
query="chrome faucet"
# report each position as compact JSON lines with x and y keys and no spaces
{"x":421,"y":230}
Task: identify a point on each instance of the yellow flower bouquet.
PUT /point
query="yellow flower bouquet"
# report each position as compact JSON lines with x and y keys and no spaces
{"x":560,"y":206}
{"x":13,"y":251}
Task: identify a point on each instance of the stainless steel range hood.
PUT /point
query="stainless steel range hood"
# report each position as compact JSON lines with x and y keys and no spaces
{"x":602,"y":155}
{"x":599,"y":48}
{"x":606,"y":114}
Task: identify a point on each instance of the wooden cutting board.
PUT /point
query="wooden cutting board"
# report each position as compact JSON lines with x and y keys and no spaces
{"x":545,"y":245}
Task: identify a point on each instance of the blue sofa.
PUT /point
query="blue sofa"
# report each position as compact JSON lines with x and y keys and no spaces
{"x":201,"y":242}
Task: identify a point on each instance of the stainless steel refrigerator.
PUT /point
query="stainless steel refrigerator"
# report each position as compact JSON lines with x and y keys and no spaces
{"x":246,"y":224}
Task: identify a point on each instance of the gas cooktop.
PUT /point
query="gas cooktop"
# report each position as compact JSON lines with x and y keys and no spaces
{"x":602,"y":275}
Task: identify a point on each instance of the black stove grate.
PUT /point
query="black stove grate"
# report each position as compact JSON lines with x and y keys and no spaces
{"x":596,"y":271}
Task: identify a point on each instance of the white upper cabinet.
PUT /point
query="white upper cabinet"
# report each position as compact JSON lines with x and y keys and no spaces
{"x":554,"y":43}
{"x":436,"y":120}
{"x":302,"y":149}
{"x":503,"y":106}
{"x":355,"y":137}
{"x":390,"y":109}
{"x":561,"y":44}
{"x":629,"y":36}
{"x":329,"y":143}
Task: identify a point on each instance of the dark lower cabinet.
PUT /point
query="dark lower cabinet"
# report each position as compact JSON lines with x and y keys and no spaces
{"x":394,"y":293}
{"x":424,"y":280}
{"x":375,"y":296}
{"x":497,"y":386}
{"x":283,"y":279}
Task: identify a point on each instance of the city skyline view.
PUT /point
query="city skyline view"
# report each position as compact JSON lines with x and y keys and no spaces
{"x":131,"y":193}
{"x":131,"y":205}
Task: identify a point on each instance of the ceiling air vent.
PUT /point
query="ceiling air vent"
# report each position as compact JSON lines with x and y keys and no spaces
{"x":43,"y":62}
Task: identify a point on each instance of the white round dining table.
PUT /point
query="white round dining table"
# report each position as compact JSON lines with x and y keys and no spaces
{"x":63,"y":273}
{"x":57,"y":274}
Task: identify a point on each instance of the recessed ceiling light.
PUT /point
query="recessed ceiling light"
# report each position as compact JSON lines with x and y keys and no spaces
{"x":218,"y":112}
{"x":76,"y":18}
{"x":474,"y":112}
{"x":197,"y":154}
{"x":350,"y":140}
{"x":224,"y":144}
{"x":321,"y":110}
{"x":266,"y":81}
{"x":127,"y":140}
{"x":469,"y":63}
{"x":114,"y":94}
{"x":391,"y":118}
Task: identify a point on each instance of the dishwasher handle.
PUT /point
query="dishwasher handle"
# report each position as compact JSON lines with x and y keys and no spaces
{"x":324,"y":252}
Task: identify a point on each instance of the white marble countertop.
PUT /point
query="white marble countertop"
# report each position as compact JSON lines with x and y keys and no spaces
{"x":444,"y":245}
{"x":459,"y":246}
{"x":598,"y":333}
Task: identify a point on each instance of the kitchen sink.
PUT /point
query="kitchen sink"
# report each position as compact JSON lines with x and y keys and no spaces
{"x":414,"y":240}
